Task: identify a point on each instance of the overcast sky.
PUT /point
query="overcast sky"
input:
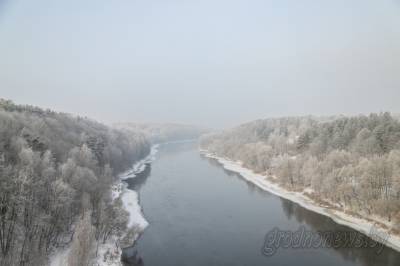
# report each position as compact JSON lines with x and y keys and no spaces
{"x":208,"y":62}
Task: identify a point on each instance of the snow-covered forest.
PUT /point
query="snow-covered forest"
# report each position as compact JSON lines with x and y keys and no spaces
{"x":349,"y":163}
{"x":56,"y":172}
{"x":167,"y":132}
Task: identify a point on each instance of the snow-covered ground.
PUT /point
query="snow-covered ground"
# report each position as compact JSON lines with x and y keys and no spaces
{"x":361,"y":225}
{"x":131,"y":204}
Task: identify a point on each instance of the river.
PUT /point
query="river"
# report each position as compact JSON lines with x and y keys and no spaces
{"x":201,"y":214}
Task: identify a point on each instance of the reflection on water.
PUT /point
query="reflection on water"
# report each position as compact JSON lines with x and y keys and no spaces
{"x":202,"y":214}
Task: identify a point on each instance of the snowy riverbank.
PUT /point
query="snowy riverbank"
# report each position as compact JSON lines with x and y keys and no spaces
{"x":109,"y":254}
{"x":361,"y":225}
{"x":130,"y":201}
{"x":130,"y":198}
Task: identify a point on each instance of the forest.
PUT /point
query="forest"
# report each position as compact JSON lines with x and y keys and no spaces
{"x":349,"y":163}
{"x":56,"y":171}
{"x":164,"y":132}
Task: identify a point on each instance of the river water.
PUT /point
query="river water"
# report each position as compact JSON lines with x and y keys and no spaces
{"x":202,"y":215}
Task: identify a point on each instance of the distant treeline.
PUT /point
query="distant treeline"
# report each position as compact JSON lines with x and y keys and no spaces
{"x":160,"y":133}
{"x":56,"y":171}
{"x":350,"y":162}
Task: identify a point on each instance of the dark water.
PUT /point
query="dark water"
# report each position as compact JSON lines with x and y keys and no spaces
{"x":201,"y":214}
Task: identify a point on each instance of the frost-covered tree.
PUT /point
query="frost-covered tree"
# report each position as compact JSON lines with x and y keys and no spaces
{"x":56,"y":171}
{"x":357,"y":156}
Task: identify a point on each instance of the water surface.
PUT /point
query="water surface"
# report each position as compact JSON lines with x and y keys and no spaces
{"x":201,"y":214}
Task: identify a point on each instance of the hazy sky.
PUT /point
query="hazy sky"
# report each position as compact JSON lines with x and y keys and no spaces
{"x":209,"y":62}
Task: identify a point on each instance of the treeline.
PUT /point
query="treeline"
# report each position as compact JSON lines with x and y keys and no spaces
{"x":56,"y":171}
{"x":161,"y":133}
{"x":350,"y":162}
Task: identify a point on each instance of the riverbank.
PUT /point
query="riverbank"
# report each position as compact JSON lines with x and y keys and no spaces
{"x":362,"y":225}
{"x":109,"y":254}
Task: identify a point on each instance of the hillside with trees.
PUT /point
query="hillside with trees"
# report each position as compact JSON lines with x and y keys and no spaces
{"x":56,"y":171}
{"x":161,"y":133}
{"x":351,"y":163}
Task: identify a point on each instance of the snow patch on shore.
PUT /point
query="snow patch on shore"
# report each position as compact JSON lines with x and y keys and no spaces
{"x":366,"y":227}
{"x":140,"y":166}
{"x":130,"y":200}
